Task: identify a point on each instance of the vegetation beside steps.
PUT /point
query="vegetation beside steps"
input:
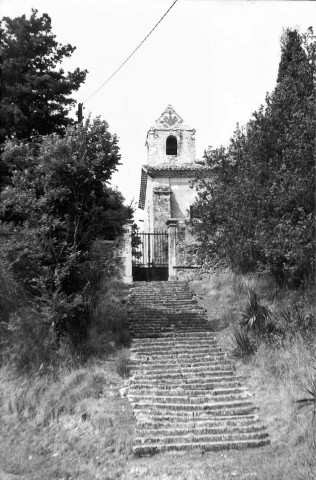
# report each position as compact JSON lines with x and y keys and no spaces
{"x":67,"y":420}
{"x":73,"y":422}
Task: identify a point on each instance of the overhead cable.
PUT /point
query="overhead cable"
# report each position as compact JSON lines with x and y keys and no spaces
{"x":134,"y":51}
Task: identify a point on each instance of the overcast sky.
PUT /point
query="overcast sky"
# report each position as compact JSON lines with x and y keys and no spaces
{"x":213,"y":61}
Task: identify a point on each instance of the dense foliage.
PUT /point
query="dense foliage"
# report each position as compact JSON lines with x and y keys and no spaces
{"x":258,"y":210}
{"x":57,"y":205}
{"x":34,"y":92}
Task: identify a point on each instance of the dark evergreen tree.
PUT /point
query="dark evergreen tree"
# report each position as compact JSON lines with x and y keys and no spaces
{"x":259,"y":210}
{"x":57,"y":205}
{"x":35,"y":93}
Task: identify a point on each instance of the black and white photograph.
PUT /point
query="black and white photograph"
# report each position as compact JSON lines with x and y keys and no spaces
{"x":157,"y":240}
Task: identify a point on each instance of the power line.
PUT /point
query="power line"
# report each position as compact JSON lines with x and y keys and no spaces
{"x":134,"y":51}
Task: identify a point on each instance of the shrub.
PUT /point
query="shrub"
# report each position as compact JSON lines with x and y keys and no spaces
{"x":122,"y":363}
{"x":255,"y":316}
{"x":309,"y":403}
{"x":243,"y":345}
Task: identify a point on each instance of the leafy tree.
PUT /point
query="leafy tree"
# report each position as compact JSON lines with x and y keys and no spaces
{"x":57,"y":205}
{"x":258,"y":212}
{"x":35,"y":93}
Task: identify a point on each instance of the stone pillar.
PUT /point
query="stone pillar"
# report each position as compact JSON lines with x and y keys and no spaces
{"x":128,"y":277}
{"x":172,"y":235}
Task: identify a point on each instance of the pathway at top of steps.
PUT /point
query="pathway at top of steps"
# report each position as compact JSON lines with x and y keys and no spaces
{"x":184,"y":391}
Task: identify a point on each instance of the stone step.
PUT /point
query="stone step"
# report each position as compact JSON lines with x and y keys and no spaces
{"x":177,"y":349}
{"x":183,"y":370}
{"x":184,"y":390}
{"x":193,"y":437}
{"x":199,"y":418}
{"x":185,"y":377}
{"x":196,"y":408}
{"x":187,"y":399}
{"x":201,"y":430}
{"x":176,"y":364}
{"x":177,"y":355}
{"x":194,"y":385}
{"x":145,"y":450}
{"x":180,"y":390}
{"x":180,"y":336}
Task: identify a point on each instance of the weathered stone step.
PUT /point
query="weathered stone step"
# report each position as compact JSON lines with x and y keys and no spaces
{"x":183,"y":389}
{"x":193,"y":437}
{"x":179,"y":390}
{"x":179,"y":336}
{"x":188,"y":335}
{"x":176,"y":364}
{"x":187,"y":399}
{"x":207,"y":406}
{"x":165,"y":346}
{"x":166,"y":331}
{"x":178,"y":419}
{"x":143,"y":450}
{"x":186,"y":376}
{"x":193,"y":385}
{"x":187,"y":420}
{"x":199,"y":430}
{"x":184,"y":371}
{"x":175,"y":353}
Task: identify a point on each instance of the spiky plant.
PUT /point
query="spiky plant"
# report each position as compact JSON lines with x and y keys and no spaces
{"x":243,"y":344}
{"x":255,"y":315}
{"x":309,"y":403}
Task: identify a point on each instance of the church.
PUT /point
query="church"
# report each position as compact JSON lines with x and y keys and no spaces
{"x":167,"y":196}
{"x":166,"y":191}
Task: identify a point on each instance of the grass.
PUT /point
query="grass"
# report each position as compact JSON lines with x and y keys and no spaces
{"x":74,"y":424}
{"x":62,"y":414}
{"x":122,"y":362}
{"x":76,"y":427}
{"x":280,"y":373}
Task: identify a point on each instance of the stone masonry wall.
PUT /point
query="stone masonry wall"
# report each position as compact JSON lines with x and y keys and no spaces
{"x":192,"y":263}
{"x":161,"y":207}
{"x":156,"y":144}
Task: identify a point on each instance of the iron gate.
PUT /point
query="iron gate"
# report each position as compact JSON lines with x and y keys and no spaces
{"x":150,"y":256}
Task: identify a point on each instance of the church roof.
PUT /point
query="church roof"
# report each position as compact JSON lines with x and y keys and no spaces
{"x":188,"y":170}
{"x":170,"y":120}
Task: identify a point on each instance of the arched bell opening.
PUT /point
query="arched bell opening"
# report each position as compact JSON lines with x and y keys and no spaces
{"x":171,"y":145}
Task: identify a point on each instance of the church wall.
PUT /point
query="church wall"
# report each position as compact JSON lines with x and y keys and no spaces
{"x":182,"y":197}
{"x":156,"y":143}
{"x":161,"y":206}
{"x":149,"y":217}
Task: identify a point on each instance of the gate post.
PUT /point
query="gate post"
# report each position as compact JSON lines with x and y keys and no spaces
{"x":128,"y":277}
{"x":172,"y":233}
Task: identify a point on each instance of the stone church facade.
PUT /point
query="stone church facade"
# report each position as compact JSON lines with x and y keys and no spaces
{"x":166,"y":191}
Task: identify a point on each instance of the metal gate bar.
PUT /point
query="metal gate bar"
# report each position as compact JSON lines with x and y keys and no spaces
{"x":150,"y":249}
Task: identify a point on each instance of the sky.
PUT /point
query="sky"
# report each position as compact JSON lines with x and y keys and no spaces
{"x":214,"y":61}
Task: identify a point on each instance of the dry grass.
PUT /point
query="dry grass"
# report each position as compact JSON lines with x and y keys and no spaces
{"x":277,"y":373}
{"x":76,"y":427}
{"x":122,"y":362}
{"x":62,"y":416}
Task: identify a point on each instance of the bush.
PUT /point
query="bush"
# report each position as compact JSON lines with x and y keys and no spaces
{"x":243,"y":345}
{"x":255,"y":316}
{"x":122,"y":363}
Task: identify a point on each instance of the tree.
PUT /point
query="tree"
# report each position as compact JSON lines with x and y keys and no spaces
{"x":35,"y":94}
{"x":259,"y":210}
{"x":57,"y":205}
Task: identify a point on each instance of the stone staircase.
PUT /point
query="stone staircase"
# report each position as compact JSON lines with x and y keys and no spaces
{"x":185,"y":393}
